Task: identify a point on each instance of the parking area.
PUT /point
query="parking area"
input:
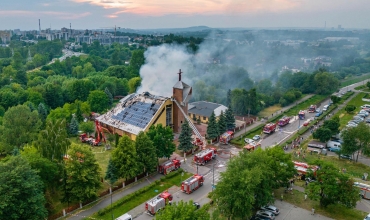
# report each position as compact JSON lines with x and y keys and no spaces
{"x":290,"y":212}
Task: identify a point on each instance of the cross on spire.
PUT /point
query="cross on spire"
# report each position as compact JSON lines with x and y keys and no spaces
{"x":179,"y":74}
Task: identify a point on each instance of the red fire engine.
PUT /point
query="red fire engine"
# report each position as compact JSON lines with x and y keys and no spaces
{"x":251,"y":146}
{"x":192,"y":184}
{"x":226,"y":137}
{"x":284,"y":121}
{"x":303,"y":168}
{"x":157,"y":203}
{"x":169,"y":166}
{"x":269,"y":128}
{"x":205,"y":155}
{"x":364,"y":190}
{"x":312,"y":109}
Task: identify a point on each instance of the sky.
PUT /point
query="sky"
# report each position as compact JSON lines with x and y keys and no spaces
{"x":150,"y":14}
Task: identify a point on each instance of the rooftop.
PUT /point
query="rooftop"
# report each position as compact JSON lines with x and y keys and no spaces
{"x":206,"y":108}
{"x":134,"y":112}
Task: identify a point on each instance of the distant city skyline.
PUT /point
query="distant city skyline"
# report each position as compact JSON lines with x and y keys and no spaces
{"x":145,"y":14}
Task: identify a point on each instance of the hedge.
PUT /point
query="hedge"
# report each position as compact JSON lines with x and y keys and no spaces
{"x":140,"y":191}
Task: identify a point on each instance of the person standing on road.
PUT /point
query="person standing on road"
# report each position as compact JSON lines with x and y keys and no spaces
{"x":313,"y":211}
{"x":282,"y":197}
{"x":305,"y":196}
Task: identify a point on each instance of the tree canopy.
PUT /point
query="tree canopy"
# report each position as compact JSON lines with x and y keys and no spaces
{"x":125,"y":158}
{"x":162,"y":138}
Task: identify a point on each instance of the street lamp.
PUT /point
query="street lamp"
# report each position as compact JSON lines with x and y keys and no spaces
{"x":111,"y":192}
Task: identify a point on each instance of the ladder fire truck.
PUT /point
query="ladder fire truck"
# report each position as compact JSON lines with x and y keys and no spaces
{"x":192,"y":184}
{"x":169,"y":166}
{"x":364,"y":190}
{"x":226,"y":137}
{"x":157,"y":203}
{"x":205,"y":155}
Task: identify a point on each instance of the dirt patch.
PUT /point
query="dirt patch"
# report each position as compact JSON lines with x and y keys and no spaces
{"x":341,"y":115}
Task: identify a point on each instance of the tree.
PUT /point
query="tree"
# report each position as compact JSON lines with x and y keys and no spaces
{"x":350,"y":108}
{"x":98,"y":101}
{"x":73,"y":126}
{"x":212,"y":129}
{"x":53,"y":142}
{"x":325,"y":83}
{"x":185,"y":140}
{"x":162,"y":138}
{"x":335,"y":99}
{"x":125,"y":158}
{"x":137,"y":60}
{"x":368,"y":84}
{"x":78,"y":114}
{"x":221,"y":123}
{"x":323,"y":134}
{"x":17,"y":61}
{"x":230,"y":120}
{"x":134,"y":83}
{"x":184,"y":211}
{"x":87,"y":127}
{"x":147,"y":158}
{"x":334,"y":187}
{"x":112,"y":173}
{"x":43,"y":112}
{"x":333,"y":125}
{"x":356,"y":139}
{"x":109,"y":95}
{"x":82,"y":174}
{"x":21,"y":191}
{"x":20,"y":126}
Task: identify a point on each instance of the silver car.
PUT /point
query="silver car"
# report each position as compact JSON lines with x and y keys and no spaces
{"x":266,"y":214}
{"x":271,"y":208}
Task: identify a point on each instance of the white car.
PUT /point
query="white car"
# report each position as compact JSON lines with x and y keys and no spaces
{"x":271,"y":208}
{"x":367,"y":217}
{"x":364,"y":112}
{"x":248,"y":141}
{"x":256,"y":137}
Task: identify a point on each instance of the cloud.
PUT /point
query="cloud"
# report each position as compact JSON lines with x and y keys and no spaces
{"x":59,"y":15}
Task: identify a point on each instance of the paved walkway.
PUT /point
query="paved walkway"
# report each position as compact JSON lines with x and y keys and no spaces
{"x":257,"y":123}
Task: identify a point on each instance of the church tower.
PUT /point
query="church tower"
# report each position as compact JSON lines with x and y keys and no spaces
{"x":181,"y":94}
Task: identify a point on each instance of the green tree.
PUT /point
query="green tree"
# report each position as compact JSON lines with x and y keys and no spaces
{"x":333,"y":188}
{"x":185,"y":139}
{"x":184,"y":211}
{"x":21,"y":191}
{"x":356,"y":139}
{"x":230,"y":119}
{"x":87,"y":127}
{"x":325,"y":83}
{"x":109,"y":95}
{"x":212,"y":128}
{"x":134,"y":83}
{"x":323,"y":134}
{"x":162,"y":138}
{"x":17,"y":61}
{"x":88,"y":68}
{"x":111,"y":173}
{"x":333,"y":125}
{"x":335,"y":99}
{"x":98,"y":101}
{"x":350,"y":108}
{"x":53,"y":142}
{"x":147,"y":158}
{"x":221,"y":123}
{"x":137,"y":60}
{"x":83,"y":174}
{"x":78,"y":114}
{"x":73,"y":126}
{"x":368,"y":84}
{"x":43,"y":112}
{"x":20,"y":126}
{"x":125,"y":158}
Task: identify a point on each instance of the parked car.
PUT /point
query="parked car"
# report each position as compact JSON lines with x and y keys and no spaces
{"x":351,"y":125}
{"x":325,"y":107}
{"x":318,"y":110}
{"x":125,"y":216}
{"x":318,"y":114}
{"x":358,"y":118}
{"x":367,"y":120}
{"x":256,"y":137}
{"x":266,"y":214}
{"x":256,"y":217}
{"x":248,"y":140}
{"x":361,"y":115}
{"x":271,"y":208}
{"x":367,"y":217}
{"x":364,"y":112}
{"x":345,"y":156}
{"x":333,"y":144}
{"x":365,"y":106}
{"x":334,"y":149}
{"x":355,"y":121}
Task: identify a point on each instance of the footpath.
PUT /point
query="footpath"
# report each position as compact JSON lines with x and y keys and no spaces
{"x":259,"y":122}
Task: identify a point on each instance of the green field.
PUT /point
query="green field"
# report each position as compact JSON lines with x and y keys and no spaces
{"x":304,"y":105}
{"x":346,"y":117}
{"x":143,"y":197}
{"x":269,"y":110}
{"x":354,"y":79}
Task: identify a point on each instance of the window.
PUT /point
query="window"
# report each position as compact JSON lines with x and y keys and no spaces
{"x":204,"y":118}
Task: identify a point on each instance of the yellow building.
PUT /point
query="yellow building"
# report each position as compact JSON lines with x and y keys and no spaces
{"x":202,"y":110}
{"x":138,"y":112}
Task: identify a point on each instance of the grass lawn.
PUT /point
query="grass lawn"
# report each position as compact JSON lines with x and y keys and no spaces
{"x":269,"y":110}
{"x":139,"y":199}
{"x":304,"y":105}
{"x":354,"y":79}
{"x":346,"y":117}
{"x":332,"y":211}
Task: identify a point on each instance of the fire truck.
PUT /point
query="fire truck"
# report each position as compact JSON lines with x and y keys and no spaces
{"x":304,"y":168}
{"x":205,"y":155}
{"x":312,"y":109}
{"x":364,"y":190}
{"x":84,"y":138}
{"x":301,"y":115}
{"x":284,"y":121}
{"x":192,"y":184}
{"x":269,"y":128}
{"x":252,"y":146}
{"x":226,"y":137}
{"x":157,"y":203}
{"x":168,"y":166}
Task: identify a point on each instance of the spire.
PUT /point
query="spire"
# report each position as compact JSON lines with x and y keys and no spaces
{"x":179,"y":74}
